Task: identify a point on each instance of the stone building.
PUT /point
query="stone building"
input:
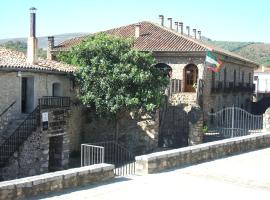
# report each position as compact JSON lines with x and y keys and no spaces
{"x":191,"y":81}
{"x":34,"y":111}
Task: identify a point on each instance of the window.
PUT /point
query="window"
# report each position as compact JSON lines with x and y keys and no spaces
{"x":243,"y":77}
{"x":56,"y":90}
{"x":213,"y":79}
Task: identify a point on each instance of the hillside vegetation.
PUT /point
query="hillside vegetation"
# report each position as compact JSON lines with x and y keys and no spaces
{"x":255,"y":51}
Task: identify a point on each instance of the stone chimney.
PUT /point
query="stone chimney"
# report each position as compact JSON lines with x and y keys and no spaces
{"x":170,"y":21}
{"x":199,"y":35}
{"x":181,"y":27}
{"x":32,"y":44}
{"x":137,"y":30}
{"x":50,"y":47}
{"x":195,"y":33}
{"x":188,"y":30}
{"x":176,"y":26}
{"x":161,"y":18}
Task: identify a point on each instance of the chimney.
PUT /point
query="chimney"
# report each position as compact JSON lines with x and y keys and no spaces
{"x":188,"y":30}
{"x":181,"y":27}
{"x":32,"y":40}
{"x":137,"y":30}
{"x":50,"y":47}
{"x":170,"y":20}
{"x":195,"y":33}
{"x":176,"y":25}
{"x":161,"y":17}
{"x":200,"y":35}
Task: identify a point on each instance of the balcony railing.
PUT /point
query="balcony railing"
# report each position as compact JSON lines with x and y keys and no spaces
{"x":54,"y":102}
{"x":174,"y":87}
{"x":228,"y":87}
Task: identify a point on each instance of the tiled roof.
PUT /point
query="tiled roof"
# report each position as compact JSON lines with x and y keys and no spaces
{"x":156,"y":38}
{"x":10,"y":59}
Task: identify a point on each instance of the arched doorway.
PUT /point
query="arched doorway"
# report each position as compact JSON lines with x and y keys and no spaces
{"x":166,"y":69}
{"x":56,"y":90}
{"x":191,"y":77}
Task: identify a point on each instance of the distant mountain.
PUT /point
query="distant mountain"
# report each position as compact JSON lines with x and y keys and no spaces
{"x":43,"y":41}
{"x":255,"y":51}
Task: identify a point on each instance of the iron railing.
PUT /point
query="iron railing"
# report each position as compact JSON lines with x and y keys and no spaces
{"x":174,"y":87}
{"x":114,"y":153}
{"x":234,"y":122}
{"x":4,"y":115}
{"x":91,"y":154}
{"x":54,"y":102}
{"x":24,"y":130}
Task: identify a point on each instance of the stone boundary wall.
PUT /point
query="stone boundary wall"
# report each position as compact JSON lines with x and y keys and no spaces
{"x":50,"y":182}
{"x":159,"y":161}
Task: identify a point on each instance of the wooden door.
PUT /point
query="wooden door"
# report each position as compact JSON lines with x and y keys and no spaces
{"x":191,"y":76}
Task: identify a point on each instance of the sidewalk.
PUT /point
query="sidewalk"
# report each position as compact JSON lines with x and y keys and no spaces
{"x":243,"y":176}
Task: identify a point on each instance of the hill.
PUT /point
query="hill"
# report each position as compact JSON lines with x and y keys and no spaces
{"x":255,"y":51}
{"x":42,"y":41}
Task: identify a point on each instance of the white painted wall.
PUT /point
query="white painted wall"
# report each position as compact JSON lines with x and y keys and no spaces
{"x":262,"y":82}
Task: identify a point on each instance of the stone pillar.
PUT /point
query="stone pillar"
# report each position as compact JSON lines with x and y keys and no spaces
{"x":195,"y":122}
{"x":266,"y":120}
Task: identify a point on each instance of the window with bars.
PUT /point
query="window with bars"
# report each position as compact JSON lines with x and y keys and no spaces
{"x":175,"y":85}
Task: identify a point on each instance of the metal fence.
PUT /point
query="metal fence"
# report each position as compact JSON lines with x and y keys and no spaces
{"x":54,"y":102}
{"x":234,"y":122}
{"x":109,"y":152}
{"x":91,"y":154}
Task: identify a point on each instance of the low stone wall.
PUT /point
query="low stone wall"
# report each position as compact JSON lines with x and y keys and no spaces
{"x":50,"y":182}
{"x":156,"y":162}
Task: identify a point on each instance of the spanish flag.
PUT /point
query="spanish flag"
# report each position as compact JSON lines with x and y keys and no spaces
{"x":213,"y":62}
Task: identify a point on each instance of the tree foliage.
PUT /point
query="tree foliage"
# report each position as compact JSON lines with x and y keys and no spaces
{"x":115,"y":78}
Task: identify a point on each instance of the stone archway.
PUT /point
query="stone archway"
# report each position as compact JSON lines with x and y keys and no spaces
{"x":190,"y":77}
{"x":164,"y":68}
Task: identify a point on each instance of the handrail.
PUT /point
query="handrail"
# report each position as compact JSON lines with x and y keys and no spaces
{"x":25,"y":129}
{"x":7,"y":108}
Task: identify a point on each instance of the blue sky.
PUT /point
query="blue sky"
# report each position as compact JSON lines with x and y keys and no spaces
{"x":233,"y":20}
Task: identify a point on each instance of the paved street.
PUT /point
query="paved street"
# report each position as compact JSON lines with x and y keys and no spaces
{"x":244,"y":176}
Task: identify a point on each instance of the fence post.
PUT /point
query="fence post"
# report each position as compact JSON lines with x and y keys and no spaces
{"x":232,"y":120}
{"x":266,"y":120}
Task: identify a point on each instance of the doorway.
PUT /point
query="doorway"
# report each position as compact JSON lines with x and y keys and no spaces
{"x":55,"y":153}
{"x":27,"y":94}
{"x":56,"y":90}
{"x":191,"y":77}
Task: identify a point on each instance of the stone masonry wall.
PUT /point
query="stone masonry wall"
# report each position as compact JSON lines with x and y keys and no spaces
{"x":138,"y":134}
{"x":156,"y":162}
{"x":56,"y":181}
{"x":32,"y":157}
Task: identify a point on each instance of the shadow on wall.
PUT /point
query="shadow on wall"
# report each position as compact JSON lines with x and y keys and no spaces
{"x":138,"y":134}
{"x":174,"y":127}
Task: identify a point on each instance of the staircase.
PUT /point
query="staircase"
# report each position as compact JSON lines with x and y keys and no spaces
{"x":11,"y":127}
{"x":19,"y":131}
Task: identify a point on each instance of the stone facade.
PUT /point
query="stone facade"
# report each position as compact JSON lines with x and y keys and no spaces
{"x":56,"y":181}
{"x":138,"y":134}
{"x":39,"y":153}
{"x":216,"y":101}
{"x":42,"y":84}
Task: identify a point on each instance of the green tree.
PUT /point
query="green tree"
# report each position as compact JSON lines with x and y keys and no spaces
{"x":114,"y":78}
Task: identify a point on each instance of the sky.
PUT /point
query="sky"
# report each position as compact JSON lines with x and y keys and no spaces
{"x":230,"y":20}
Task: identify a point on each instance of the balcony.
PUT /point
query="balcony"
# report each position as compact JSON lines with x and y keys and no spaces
{"x":230,"y":87}
{"x":54,"y":102}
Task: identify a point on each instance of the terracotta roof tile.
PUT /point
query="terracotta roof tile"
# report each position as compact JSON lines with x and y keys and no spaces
{"x":17,"y":60}
{"x":154,"y":37}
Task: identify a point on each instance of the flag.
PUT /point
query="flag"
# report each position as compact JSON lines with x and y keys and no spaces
{"x":213,"y":62}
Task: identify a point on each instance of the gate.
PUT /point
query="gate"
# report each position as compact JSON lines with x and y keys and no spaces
{"x":234,"y":122}
{"x":109,"y":152}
